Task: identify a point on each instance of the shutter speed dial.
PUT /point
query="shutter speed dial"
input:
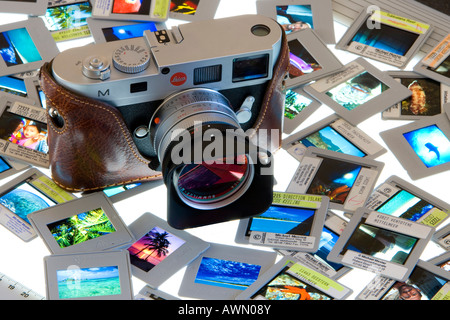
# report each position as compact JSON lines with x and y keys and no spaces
{"x":131,"y":58}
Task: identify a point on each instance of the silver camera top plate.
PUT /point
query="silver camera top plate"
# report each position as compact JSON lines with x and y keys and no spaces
{"x":189,"y":52}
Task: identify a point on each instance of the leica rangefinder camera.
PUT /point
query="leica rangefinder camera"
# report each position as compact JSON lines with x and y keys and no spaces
{"x":189,"y":97}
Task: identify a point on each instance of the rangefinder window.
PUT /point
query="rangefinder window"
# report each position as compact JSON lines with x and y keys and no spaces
{"x":250,"y":68}
{"x":138,"y":87}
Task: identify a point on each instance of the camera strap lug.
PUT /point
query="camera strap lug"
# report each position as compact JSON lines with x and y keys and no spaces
{"x":55,"y":117}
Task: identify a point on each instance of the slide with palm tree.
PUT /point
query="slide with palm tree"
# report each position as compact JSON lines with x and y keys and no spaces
{"x":152,"y":248}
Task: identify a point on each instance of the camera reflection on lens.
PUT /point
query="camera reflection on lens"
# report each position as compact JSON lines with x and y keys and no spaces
{"x":213,"y":182}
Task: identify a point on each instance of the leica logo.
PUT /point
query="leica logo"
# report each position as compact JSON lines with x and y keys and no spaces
{"x":178,"y":79}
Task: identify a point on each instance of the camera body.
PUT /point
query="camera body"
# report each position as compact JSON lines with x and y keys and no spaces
{"x":234,"y":56}
{"x":187,"y":97}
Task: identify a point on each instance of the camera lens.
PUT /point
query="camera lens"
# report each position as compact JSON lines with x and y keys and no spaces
{"x":200,"y":183}
{"x":214,"y":184}
{"x":210,"y":167}
{"x":183,"y":110}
